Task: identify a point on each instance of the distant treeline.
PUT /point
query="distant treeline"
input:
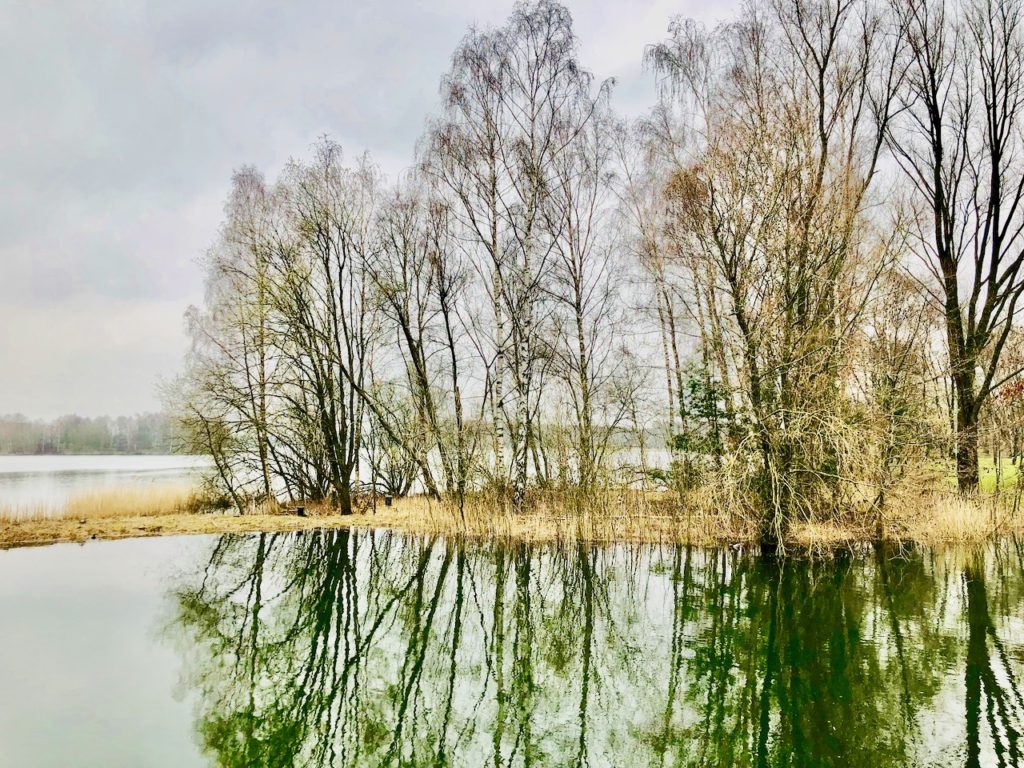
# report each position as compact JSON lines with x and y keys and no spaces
{"x":142,"y":433}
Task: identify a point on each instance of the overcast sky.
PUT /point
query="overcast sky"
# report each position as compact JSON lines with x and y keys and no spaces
{"x":122,"y":123}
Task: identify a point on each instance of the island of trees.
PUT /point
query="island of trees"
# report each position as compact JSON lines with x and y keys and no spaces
{"x":789,"y":290}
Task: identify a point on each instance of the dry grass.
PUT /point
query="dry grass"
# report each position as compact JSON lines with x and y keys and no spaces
{"x":626,"y":516}
{"x":37,"y":532}
{"x":825,"y":534}
{"x":948,"y":518}
{"x":629,"y":516}
{"x":146,"y":501}
{"x":615,"y":516}
{"x":167,"y":518}
{"x":114,"y":503}
{"x":620,"y":516}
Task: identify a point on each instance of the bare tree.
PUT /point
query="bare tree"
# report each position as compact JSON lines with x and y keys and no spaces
{"x":232,"y":361}
{"x":582,"y":284}
{"x":958,"y":139}
{"x":793,"y":104}
{"x":329,"y":326}
{"x":420,"y":281}
{"x":510,"y":99}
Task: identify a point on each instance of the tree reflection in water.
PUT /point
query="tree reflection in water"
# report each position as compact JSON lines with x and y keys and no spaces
{"x":376,"y":649}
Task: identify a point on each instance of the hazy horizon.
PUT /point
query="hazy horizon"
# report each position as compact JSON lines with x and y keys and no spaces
{"x":125,"y":122}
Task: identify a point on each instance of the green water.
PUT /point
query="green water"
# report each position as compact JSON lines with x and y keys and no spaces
{"x":375,"y":649}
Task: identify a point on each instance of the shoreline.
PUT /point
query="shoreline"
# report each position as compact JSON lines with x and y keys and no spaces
{"x":39,"y":533}
{"x":420,"y":516}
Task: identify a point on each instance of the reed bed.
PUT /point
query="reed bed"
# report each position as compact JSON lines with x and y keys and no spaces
{"x":699,"y":518}
{"x":630,"y":516}
{"x":113,"y":502}
{"x":158,"y":510}
{"x":951,"y":518}
{"x":623,"y":516}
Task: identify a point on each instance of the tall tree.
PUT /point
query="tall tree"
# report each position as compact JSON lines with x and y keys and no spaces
{"x":512,"y":103}
{"x":958,"y":138}
{"x":329,"y":323}
{"x":791,"y":105}
{"x":421,"y":281}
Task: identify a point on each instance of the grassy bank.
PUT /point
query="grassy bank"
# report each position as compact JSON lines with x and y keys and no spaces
{"x":625,"y":516}
{"x":930,"y":518}
{"x":120,"y":513}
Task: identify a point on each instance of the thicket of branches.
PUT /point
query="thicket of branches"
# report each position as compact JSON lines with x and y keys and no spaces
{"x":795,"y":279}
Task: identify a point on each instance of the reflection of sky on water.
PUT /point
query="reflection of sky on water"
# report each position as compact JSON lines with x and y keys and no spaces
{"x":83,"y":680}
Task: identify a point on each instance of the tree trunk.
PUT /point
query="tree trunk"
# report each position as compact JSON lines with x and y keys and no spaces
{"x":967,"y":451}
{"x":966,"y":433}
{"x":345,"y":497}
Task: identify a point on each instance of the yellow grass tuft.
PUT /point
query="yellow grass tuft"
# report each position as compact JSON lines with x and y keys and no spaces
{"x":824,"y":534}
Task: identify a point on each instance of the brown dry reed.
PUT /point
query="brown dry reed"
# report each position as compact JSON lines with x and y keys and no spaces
{"x":706,"y":516}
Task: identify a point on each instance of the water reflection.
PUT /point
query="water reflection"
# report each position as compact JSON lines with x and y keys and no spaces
{"x":373,"y":649}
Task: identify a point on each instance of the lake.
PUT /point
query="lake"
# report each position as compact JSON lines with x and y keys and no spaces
{"x":34,"y":482}
{"x":379,"y":649}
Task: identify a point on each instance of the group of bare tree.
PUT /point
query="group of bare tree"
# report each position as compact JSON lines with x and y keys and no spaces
{"x":457,"y":330}
{"x":841,"y":186}
{"x":797,"y":273}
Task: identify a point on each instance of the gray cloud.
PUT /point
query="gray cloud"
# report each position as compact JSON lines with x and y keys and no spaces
{"x":122,"y":124}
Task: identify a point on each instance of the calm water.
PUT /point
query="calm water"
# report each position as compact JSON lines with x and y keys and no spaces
{"x":375,"y":649}
{"x":48,"y":481}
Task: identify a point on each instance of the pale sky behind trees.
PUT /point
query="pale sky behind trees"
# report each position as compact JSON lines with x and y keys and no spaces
{"x":122,"y":123}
